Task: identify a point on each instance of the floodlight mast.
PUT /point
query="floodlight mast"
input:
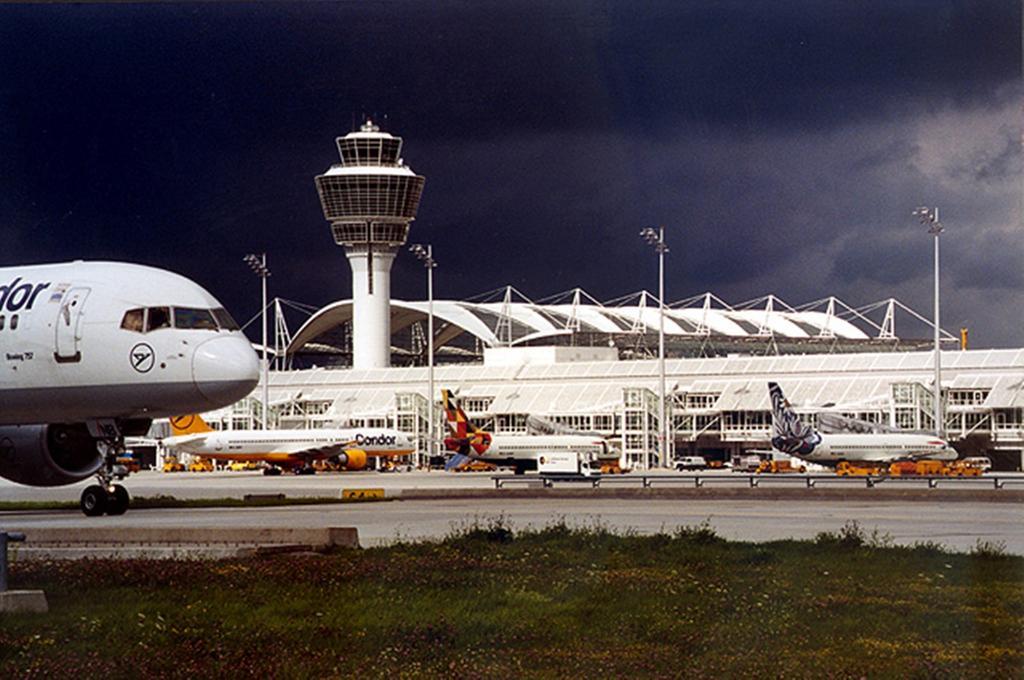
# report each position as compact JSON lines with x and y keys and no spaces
{"x":656,"y":238}
{"x":258,"y":263}
{"x":930,"y":216}
{"x":426,"y":255}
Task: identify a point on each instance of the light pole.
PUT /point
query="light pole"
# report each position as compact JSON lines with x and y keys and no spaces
{"x":930,"y":216}
{"x":258,"y":263}
{"x":426,"y":255}
{"x":657,"y":239}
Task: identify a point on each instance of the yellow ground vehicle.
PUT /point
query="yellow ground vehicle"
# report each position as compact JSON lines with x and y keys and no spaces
{"x":242,"y":465}
{"x":918,"y":468}
{"x":130,"y":462}
{"x":779,"y":467}
{"x":477,"y":466}
{"x":959,"y":468}
{"x":846,"y":469}
{"x":171,"y":464}
{"x":201,"y":465}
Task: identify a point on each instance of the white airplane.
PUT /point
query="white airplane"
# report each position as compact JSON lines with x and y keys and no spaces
{"x":91,"y":352}
{"x":290,"y":448}
{"x":791,"y":436}
{"x":468,"y":442}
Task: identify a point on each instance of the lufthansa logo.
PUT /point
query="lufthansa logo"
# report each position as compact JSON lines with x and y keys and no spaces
{"x":142,"y":357}
{"x":183,"y":422}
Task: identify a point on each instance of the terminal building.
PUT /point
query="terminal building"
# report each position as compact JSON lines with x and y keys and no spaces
{"x":594,"y":367}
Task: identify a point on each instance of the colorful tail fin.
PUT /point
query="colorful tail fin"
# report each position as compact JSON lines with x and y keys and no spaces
{"x":465,"y":439}
{"x":789,"y":435}
{"x":459,"y":423}
{"x":190,"y":424}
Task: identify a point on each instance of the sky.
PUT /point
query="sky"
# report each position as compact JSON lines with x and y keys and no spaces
{"x":783,"y":145}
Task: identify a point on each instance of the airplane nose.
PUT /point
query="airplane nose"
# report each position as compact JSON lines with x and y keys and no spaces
{"x":225,"y":369}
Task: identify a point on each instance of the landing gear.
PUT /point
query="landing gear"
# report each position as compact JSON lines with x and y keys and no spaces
{"x":118,"y":500}
{"x":97,"y":500}
{"x":107,"y":497}
{"x":94,"y":500}
{"x":271,"y":471}
{"x":306,"y":470}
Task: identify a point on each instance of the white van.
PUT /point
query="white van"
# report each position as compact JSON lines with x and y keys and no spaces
{"x":565,"y":463}
{"x":691,"y":463}
{"x":980,"y":462}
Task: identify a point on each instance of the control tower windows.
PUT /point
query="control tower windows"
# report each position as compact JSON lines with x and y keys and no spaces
{"x":379,"y":151}
{"x":369,"y":196}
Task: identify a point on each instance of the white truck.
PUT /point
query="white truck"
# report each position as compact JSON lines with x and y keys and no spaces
{"x":568,"y":463}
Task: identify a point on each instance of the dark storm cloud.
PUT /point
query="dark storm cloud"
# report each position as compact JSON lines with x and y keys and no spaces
{"x":782,"y":144}
{"x":889,"y":258}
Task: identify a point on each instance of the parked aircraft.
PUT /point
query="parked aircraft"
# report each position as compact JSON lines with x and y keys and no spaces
{"x":790,"y":435}
{"x":522,"y":452}
{"x":288,"y":448}
{"x":91,"y":352}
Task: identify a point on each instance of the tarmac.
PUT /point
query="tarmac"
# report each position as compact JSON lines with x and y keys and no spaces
{"x":432,"y":505}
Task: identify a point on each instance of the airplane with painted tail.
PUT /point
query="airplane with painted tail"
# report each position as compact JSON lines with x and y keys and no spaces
{"x":790,"y":435}
{"x":467,"y":442}
{"x":92,"y":352}
{"x":296,"y":449}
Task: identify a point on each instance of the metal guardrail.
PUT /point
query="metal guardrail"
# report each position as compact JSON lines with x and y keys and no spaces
{"x":753,"y":480}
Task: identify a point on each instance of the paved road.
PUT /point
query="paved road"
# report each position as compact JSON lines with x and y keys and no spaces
{"x":237,"y":484}
{"x":956,"y":525}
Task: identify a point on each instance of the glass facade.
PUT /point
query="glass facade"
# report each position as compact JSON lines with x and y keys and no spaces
{"x":369,"y":196}
{"x":369,"y":151}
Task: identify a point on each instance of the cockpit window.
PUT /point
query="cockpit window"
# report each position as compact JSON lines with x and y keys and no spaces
{"x":133,"y":320}
{"x":224,"y":319}
{"x":158,"y":317}
{"x":200,"y":319}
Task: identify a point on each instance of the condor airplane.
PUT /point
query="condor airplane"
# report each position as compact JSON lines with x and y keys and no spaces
{"x":791,"y":436}
{"x":468,"y":442}
{"x":289,"y":448}
{"x":91,"y":352}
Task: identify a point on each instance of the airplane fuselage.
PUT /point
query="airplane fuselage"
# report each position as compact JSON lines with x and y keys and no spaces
{"x":513,"y":448}
{"x":877,"y":448}
{"x":288,"y":445}
{"x":75,"y":345}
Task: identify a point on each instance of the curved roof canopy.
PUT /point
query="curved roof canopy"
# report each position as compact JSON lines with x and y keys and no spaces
{"x":505,"y":323}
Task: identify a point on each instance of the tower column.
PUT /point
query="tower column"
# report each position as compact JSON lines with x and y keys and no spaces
{"x":371,"y":309}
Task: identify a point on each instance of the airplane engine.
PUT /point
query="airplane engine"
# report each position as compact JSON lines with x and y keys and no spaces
{"x":48,"y":455}
{"x":353,"y":459}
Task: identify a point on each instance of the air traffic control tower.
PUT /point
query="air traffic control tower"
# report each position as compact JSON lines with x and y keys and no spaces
{"x":370,"y":198}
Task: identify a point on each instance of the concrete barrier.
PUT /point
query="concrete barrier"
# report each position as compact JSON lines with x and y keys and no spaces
{"x":315,"y":538}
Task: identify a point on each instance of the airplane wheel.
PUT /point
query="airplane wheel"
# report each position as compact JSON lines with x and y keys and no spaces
{"x":271,"y":471}
{"x":94,"y":500}
{"x":306,"y":471}
{"x":118,"y":500}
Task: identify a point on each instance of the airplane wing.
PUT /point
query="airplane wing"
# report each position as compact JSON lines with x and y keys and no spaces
{"x":183,"y":440}
{"x":318,"y":452}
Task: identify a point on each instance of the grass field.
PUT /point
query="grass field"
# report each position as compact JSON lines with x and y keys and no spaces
{"x":556,"y":602}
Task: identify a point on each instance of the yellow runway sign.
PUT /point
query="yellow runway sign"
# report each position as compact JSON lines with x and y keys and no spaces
{"x":362,"y":494}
